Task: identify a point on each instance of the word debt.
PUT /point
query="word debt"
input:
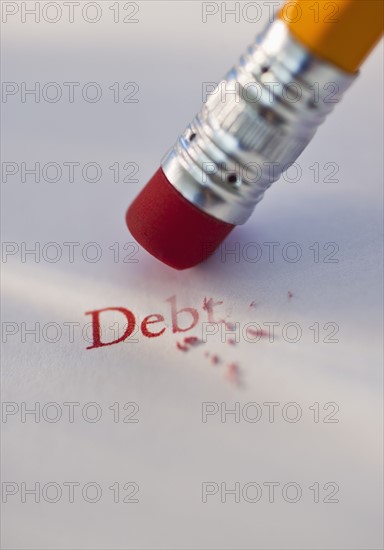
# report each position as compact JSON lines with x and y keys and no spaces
{"x":153,"y":325}
{"x":112,"y":325}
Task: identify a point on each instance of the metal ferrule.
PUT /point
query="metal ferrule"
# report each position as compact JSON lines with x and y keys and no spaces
{"x":254,"y":125}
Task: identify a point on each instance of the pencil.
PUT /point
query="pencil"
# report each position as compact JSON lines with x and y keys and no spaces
{"x":254,"y":125}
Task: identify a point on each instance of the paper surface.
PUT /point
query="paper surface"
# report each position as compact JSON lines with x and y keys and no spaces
{"x":308,"y":412}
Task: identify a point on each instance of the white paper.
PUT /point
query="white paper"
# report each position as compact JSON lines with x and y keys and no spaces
{"x":335,"y":287}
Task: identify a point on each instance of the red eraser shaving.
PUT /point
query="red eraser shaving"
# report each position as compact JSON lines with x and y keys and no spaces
{"x":171,"y":228}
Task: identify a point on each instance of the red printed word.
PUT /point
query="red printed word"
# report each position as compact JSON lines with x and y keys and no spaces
{"x":153,"y":325}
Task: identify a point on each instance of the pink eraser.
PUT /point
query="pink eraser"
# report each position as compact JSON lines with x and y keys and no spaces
{"x":172,"y":229}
